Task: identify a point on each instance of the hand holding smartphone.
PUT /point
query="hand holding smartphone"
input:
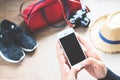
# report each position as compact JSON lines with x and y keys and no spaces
{"x":71,"y":46}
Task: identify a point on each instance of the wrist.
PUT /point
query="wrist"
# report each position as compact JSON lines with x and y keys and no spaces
{"x":110,"y":76}
{"x":106,"y":71}
{"x":105,"y":74}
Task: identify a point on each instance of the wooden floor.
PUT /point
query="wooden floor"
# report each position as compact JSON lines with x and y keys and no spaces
{"x":36,"y":64}
{"x":10,"y":9}
{"x":42,"y":64}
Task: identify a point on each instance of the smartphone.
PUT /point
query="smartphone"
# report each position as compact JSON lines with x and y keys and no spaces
{"x":71,"y":46}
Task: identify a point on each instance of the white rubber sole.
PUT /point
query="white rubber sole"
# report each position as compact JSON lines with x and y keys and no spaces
{"x":30,"y":50}
{"x":10,"y":60}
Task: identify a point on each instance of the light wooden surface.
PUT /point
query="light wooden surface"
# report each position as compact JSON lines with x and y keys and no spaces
{"x":42,"y":64}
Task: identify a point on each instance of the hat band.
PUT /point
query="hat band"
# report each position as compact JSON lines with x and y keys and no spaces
{"x":108,"y":41}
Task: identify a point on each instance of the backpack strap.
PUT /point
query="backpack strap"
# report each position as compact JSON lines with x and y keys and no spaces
{"x":21,"y":6}
{"x":66,"y":17}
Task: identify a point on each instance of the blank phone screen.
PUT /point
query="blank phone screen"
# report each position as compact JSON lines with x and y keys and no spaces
{"x":72,"y":49}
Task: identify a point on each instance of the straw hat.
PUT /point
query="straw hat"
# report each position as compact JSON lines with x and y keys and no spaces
{"x":105,"y":33}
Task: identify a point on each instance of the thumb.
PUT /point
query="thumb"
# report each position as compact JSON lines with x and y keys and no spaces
{"x":89,"y":61}
{"x":74,"y":70}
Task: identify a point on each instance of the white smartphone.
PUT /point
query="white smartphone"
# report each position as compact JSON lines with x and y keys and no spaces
{"x":71,"y":46}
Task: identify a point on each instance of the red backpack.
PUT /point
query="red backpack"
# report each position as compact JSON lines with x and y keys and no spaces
{"x":46,"y":12}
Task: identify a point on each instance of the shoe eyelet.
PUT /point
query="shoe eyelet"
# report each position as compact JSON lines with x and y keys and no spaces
{"x":1,"y":36}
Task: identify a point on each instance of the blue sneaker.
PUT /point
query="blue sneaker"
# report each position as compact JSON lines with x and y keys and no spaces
{"x":9,"y":51}
{"x":21,"y":38}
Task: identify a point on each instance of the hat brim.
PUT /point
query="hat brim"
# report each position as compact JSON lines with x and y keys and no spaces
{"x":97,"y":41}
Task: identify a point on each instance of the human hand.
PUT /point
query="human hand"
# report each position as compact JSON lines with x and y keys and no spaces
{"x":89,"y":51}
{"x":67,"y":72}
{"x":93,"y":64}
{"x":95,"y":67}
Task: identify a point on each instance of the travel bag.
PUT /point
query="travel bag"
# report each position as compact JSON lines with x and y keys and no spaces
{"x":47,"y":12}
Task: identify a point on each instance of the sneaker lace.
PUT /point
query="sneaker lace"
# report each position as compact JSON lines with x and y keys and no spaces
{"x":4,"y":39}
{"x":20,"y":35}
